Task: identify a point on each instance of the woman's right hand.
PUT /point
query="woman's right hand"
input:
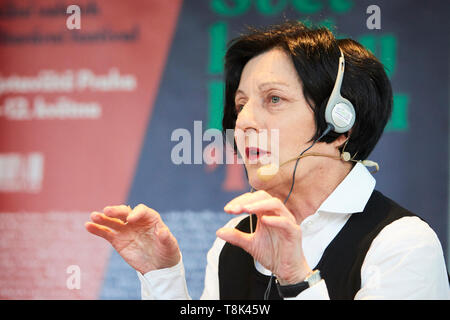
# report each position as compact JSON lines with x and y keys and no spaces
{"x":139,"y":236}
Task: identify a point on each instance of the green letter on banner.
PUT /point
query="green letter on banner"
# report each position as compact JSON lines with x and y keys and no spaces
{"x":222,"y":7}
{"x":215,"y":103}
{"x":387,"y":52}
{"x":217,"y":47}
{"x":267,"y":8}
{"x":307,"y":6}
{"x":341,"y":6}
{"x":399,"y":118}
{"x":388,"y":55}
{"x":368,"y":41}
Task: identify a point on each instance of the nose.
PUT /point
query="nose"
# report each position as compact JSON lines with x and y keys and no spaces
{"x":247,"y":118}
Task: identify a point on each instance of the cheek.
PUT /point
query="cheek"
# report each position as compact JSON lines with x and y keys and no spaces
{"x":294,"y":137}
{"x":289,"y":145}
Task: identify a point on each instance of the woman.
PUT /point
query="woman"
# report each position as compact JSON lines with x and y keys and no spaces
{"x":332,"y":236}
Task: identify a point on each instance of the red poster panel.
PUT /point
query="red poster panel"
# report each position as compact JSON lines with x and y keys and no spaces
{"x":74,"y":108}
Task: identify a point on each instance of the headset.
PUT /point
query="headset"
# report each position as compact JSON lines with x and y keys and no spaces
{"x":340,"y":117}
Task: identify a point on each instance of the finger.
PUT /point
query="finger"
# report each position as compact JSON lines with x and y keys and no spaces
{"x":113,"y":223}
{"x":232,"y":207}
{"x":236,"y":237}
{"x":271,"y":206}
{"x":141,"y":214}
{"x":99,"y":230}
{"x":120,"y":212}
{"x":282,"y":223}
{"x":235,"y":205}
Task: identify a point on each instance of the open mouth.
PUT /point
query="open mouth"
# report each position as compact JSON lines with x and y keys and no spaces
{"x":253,"y":153}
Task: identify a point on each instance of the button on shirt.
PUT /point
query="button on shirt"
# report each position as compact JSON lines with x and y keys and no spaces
{"x":404,"y":261}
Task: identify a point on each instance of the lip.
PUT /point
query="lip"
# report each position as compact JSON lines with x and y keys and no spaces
{"x":253,"y":153}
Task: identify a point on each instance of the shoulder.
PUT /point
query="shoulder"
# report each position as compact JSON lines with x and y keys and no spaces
{"x":407,"y":232}
{"x":404,"y":229}
{"x":408,"y":256}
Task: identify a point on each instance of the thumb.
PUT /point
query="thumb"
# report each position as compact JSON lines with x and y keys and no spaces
{"x":165,"y":237}
{"x":236,"y":238}
{"x":170,"y":245}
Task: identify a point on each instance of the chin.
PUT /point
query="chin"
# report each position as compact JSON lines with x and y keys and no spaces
{"x":256,"y":182}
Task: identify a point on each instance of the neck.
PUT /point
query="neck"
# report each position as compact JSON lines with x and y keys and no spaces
{"x":312,"y":189}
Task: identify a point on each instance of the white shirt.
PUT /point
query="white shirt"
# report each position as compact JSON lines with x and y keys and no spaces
{"x":404,"y":261}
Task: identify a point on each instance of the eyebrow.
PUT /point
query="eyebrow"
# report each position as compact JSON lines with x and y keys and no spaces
{"x":265,"y":84}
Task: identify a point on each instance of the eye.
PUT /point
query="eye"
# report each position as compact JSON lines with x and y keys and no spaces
{"x":275,"y":99}
{"x":239,"y":107}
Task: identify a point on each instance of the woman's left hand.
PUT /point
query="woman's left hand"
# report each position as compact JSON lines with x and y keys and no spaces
{"x":277,"y":241}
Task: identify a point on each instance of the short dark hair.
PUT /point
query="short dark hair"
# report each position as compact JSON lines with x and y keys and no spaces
{"x":315,"y":54}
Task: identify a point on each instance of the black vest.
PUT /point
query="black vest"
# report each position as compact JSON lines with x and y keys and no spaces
{"x":340,"y":265}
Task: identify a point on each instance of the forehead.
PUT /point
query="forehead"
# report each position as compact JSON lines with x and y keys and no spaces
{"x":274,"y":65}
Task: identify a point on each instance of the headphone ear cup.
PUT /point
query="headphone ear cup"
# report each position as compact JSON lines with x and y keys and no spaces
{"x":350,"y":107}
{"x":341,"y":115}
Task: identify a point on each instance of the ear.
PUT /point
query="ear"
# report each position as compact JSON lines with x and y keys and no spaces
{"x":341,"y":140}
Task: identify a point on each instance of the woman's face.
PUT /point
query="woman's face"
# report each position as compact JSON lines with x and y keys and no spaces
{"x":270,"y":102}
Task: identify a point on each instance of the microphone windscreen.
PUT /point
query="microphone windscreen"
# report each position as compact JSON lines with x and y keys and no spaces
{"x":267,"y":172}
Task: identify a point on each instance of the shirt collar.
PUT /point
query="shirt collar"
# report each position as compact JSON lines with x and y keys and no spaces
{"x":352,"y":194}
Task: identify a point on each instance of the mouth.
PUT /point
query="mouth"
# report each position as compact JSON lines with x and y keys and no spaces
{"x":253,"y":153}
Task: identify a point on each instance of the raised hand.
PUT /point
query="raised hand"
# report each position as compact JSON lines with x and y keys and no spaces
{"x":139,"y":235}
{"x":277,"y":241}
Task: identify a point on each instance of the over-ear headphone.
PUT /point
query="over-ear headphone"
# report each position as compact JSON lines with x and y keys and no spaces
{"x":340,"y":116}
{"x":339,"y":111}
